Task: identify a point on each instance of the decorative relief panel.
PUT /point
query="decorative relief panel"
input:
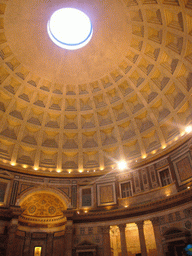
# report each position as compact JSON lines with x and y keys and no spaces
{"x":145,"y":180}
{"x":137,"y":182}
{"x":106,"y":194}
{"x":153,"y":176}
{"x":183,"y":167}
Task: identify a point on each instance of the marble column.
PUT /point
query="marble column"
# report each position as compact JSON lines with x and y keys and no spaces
{"x":142,"y":238}
{"x":106,"y":240}
{"x":26,"y":250}
{"x":12,"y":229}
{"x":123,"y":239}
{"x":68,"y":240}
{"x":157,"y":234}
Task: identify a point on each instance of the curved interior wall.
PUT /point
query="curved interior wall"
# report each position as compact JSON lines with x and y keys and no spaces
{"x":158,"y":194}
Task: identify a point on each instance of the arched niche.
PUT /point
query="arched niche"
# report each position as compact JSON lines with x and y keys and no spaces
{"x":42,"y":211}
{"x":54,"y":192}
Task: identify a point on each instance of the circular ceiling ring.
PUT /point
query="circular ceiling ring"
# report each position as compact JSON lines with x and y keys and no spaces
{"x":70,"y":28}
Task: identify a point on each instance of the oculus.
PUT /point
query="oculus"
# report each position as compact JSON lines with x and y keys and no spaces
{"x":70,"y":28}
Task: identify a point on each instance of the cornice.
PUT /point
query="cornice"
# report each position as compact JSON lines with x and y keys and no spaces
{"x":135,"y":211}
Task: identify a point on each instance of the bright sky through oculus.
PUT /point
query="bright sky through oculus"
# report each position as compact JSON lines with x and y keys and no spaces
{"x":70,"y":28}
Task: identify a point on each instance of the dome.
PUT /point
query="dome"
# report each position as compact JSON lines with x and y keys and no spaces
{"x":126,"y":95}
{"x":96,"y":142}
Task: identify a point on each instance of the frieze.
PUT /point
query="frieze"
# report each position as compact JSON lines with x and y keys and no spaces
{"x":32,"y":179}
{"x":60,"y":181}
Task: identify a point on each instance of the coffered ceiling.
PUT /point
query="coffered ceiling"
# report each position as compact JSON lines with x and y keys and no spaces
{"x":125,"y":95}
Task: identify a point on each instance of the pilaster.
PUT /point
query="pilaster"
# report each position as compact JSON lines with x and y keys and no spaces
{"x":158,"y":240}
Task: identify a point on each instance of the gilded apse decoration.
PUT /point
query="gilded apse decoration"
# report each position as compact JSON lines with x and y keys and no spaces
{"x":43,"y":205}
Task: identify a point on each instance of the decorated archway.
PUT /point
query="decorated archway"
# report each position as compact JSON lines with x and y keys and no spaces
{"x":42,"y":210}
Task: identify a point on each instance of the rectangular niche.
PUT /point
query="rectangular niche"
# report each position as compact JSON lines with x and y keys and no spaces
{"x":126,"y":189}
{"x":86,"y":199}
{"x":165,"y":176}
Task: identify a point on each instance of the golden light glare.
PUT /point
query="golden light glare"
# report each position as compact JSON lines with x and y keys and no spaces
{"x":144,"y":156}
{"x":122,"y":165}
{"x":58,"y":170}
{"x":25,"y":166}
{"x":35,"y":168}
{"x":80,"y":171}
{"x":85,"y":211}
{"x":188,"y":129}
{"x":164,"y":146}
{"x":13,"y":163}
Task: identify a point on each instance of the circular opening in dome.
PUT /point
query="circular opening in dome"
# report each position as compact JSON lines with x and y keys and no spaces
{"x":70,"y":28}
